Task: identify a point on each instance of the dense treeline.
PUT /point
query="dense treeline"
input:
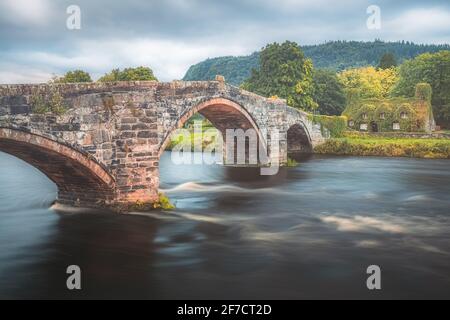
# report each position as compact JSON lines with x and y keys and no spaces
{"x":235,"y":69}
{"x":335,"y":55}
{"x":341,"y":55}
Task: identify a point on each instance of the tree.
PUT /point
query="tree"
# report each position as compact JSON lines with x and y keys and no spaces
{"x":74,"y":77}
{"x":129,"y":74}
{"x":387,"y":61}
{"x":328,"y":93}
{"x":434,"y":69}
{"x":284,"y":72}
{"x":369,"y":82}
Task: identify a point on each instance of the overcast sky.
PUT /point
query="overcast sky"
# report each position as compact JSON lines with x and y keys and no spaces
{"x":171,"y":35}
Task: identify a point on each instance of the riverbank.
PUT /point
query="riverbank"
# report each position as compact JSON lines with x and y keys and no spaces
{"x":384,"y":146}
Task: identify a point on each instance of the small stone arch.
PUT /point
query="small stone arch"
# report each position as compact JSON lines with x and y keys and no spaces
{"x":298,"y":140}
{"x":79,"y":177}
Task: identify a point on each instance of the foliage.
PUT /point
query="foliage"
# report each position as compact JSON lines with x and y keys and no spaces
{"x":42,"y":103}
{"x":76,"y":76}
{"x":335,"y":55}
{"x":285,"y":72}
{"x":387,"y":147}
{"x":163,"y":203}
{"x":424,"y":92}
{"x":291,"y":163}
{"x":369,"y":82}
{"x":328,"y":93}
{"x":384,"y":112}
{"x":387,"y":61}
{"x":235,"y":69}
{"x":432,"y":68}
{"x":336,"y":125}
{"x":129,"y":74}
{"x":207,"y":138}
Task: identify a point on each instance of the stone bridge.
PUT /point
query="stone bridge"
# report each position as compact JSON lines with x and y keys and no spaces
{"x":101,"y":142}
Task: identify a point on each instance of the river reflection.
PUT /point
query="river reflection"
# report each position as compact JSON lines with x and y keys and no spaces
{"x":309,"y":232}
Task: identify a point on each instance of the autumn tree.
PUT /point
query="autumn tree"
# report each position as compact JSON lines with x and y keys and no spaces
{"x":369,"y":82}
{"x":285,"y":72}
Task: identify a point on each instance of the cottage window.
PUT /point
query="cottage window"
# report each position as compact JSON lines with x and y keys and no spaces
{"x":382,"y":116}
{"x":404,"y":115}
{"x":364,"y":116}
{"x":351,"y":123}
{"x":396,"y":126}
{"x":363,"y":127}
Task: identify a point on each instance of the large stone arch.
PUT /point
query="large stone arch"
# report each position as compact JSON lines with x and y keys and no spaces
{"x":79,"y":177}
{"x":223,"y":114}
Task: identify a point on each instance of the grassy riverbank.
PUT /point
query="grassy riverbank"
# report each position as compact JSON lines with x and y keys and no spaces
{"x":366,"y":145}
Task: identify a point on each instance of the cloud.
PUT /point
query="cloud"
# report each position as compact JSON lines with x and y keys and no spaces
{"x":167,"y":58}
{"x":20,"y":12}
{"x":11,"y":73}
{"x":171,"y":35}
{"x":420,"y":22}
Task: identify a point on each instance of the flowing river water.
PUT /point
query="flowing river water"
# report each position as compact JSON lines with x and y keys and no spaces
{"x":309,"y":232}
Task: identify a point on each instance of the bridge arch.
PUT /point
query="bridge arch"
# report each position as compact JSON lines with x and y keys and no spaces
{"x":80,"y":178}
{"x":298,"y":139}
{"x":223,"y":114}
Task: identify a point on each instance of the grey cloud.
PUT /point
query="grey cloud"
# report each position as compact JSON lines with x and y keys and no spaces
{"x":200,"y":27}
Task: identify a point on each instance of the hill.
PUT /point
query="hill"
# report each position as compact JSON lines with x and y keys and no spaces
{"x":334,"y":55}
{"x":235,"y":69}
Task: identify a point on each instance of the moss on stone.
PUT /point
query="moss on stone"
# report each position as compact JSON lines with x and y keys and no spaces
{"x":163,"y":203}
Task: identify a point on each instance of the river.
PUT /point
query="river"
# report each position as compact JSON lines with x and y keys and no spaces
{"x":310,"y":232}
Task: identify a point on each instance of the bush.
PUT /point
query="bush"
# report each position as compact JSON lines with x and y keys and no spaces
{"x":336,"y":125}
{"x":76,"y":76}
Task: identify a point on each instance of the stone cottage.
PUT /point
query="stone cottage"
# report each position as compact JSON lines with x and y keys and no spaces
{"x":394,"y":114}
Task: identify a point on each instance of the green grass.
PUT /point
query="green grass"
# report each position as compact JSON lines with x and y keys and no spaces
{"x":387,"y":147}
{"x":205,"y":139}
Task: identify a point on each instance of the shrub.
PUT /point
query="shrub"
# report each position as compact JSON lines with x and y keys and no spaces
{"x":336,"y":125}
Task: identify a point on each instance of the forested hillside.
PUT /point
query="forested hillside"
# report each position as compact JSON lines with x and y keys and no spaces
{"x":235,"y":69}
{"x":335,"y":55}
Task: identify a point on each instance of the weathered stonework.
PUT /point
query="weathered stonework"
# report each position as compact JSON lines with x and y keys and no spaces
{"x":104,"y":149}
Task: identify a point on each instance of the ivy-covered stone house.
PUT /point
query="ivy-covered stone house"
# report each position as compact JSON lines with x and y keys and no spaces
{"x":394,"y":114}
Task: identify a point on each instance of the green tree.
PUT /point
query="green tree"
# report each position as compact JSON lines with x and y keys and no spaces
{"x":328,"y":93}
{"x":129,"y":74}
{"x":75,"y":76}
{"x":387,"y":61}
{"x":431,"y":68}
{"x":284,"y":72}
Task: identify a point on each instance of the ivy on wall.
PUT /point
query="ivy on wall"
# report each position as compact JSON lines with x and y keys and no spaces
{"x":392,"y":114}
{"x":336,"y":125}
